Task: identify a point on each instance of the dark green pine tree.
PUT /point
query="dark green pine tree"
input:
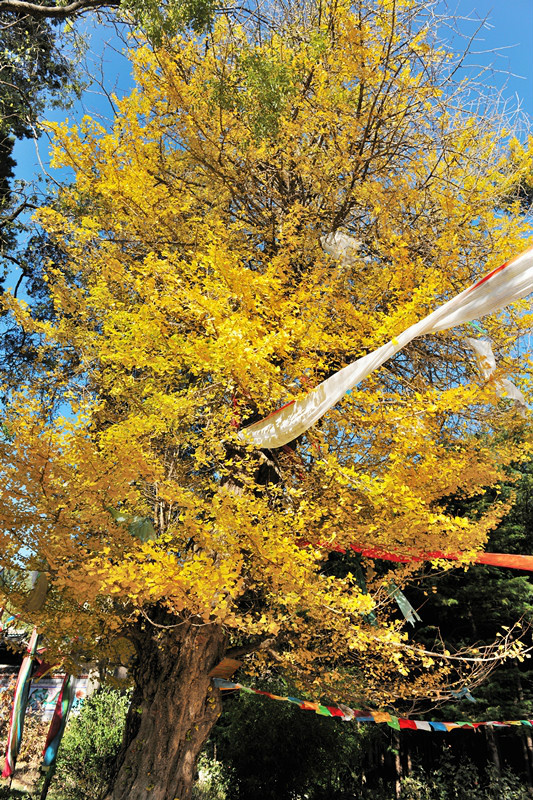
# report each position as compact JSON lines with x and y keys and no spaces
{"x":480,"y":605}
{"x":21,"y":352}
{"x":35,"y":73}
{"x":274,"y":751}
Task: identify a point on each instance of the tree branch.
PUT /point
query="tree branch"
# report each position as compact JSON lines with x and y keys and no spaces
{"x":238,"y":652}
{"x":8,"y":218}
{"x":57,"y":12}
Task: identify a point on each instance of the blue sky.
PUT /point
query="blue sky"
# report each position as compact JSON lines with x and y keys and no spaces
{"x":504,"y":43}
{"x":106,"y":61}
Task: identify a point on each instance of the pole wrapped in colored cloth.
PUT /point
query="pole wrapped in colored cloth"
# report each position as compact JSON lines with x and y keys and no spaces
{"x":64,"y":703}
{"x":20,"y":702}
{"x":505,"y":284}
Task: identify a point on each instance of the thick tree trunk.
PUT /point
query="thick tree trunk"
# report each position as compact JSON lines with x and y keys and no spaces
{"x":173,"y":710}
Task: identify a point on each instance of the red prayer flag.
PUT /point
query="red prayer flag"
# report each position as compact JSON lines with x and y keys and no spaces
{"x":407,"y":723}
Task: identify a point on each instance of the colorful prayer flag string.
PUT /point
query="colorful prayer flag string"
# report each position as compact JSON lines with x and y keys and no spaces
{"x":348,"y":714}
{"x":505,"y":284}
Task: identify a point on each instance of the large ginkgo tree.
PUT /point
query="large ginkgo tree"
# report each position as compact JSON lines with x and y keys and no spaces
{"x":199,"y":288}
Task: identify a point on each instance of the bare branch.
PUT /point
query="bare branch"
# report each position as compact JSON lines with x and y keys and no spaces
{"x":56,"y":12}
{"x":11,"y":217}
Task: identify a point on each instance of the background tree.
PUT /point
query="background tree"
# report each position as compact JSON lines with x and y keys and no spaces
{"x":275,"y":751}
{"x":193,"y":295}
{"x":156,"y":19}
{"x":40,"y":44}
{"x":474,"y":607}
{"x":33,"y":71}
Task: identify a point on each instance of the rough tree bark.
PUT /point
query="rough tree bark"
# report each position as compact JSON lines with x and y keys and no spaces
{"x":173,"y":710}
{"x":397,"y":740}
{"x":493,"y":749}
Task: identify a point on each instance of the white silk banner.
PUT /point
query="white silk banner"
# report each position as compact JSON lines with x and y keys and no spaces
{"x":341,"y":246}
{"x":487,"y":366}
{"x":511,"y":281}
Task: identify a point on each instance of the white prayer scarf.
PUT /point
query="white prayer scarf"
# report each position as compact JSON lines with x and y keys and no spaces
{"x":505,"y":284}
{"x":487,"y":366}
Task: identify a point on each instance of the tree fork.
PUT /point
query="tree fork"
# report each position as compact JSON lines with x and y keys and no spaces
{"x":173,"y":709}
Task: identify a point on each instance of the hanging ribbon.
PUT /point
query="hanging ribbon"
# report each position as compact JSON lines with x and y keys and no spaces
{"x":509,"y":560}
{"x":20,"y":702}
{"x":487,"y":366}
{"x":463,"y":693}
{"x":140,"y":527}
{"x":37,"y":596}
{"x":505,"y":284}
{"x":409,"y":613}
{"x":64,"y":703}
{"x":348,"y":714}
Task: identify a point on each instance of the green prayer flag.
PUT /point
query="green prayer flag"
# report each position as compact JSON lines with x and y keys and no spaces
{"x":404,"y":605}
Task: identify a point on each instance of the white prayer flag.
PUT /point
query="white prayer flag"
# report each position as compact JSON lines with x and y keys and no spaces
{"x":505,"y":284}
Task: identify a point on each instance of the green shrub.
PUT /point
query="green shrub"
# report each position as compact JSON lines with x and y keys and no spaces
{"x":461,"y":780}
{"x":89,"y":747}
{"x":211,"y":782}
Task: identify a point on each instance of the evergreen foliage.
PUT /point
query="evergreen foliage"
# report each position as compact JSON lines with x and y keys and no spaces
{"x":482,"y":603}
{"x":460,"y":779}
{"x":34,"y":72}
{"x":277,"y":752}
